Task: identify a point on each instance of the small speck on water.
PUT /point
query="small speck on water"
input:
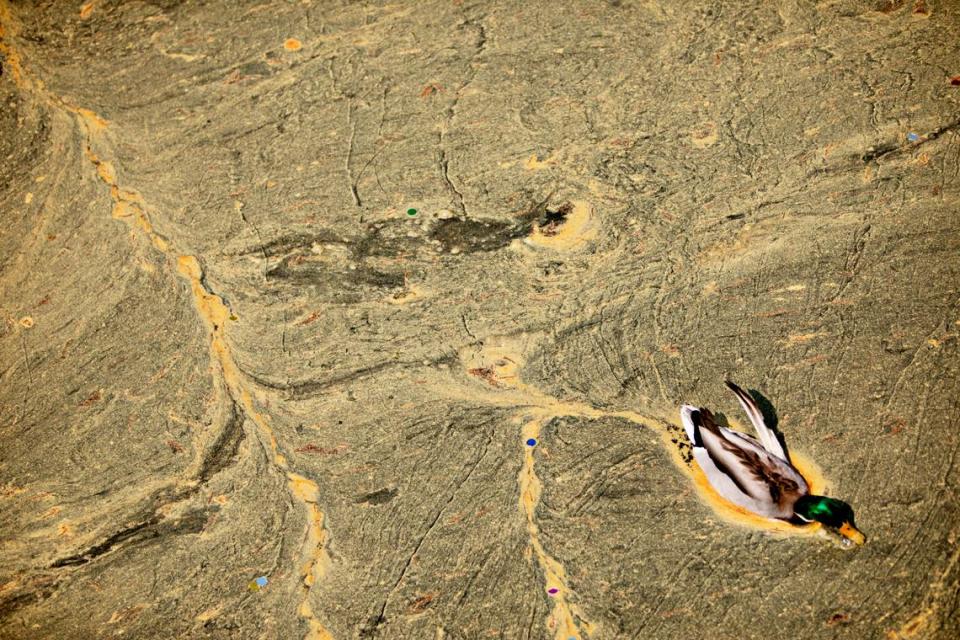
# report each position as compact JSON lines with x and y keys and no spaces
{"x":411,"y":212}
{"x":532,"y":442}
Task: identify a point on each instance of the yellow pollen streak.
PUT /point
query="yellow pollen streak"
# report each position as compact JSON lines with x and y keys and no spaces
{"x":216,"y":314}
{"x":565,"y":615}
{"x":129,"y":206}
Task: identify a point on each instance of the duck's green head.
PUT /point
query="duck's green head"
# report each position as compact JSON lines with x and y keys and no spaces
{"x":831,"y":512}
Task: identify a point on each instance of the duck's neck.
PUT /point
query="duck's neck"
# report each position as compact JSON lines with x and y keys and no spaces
{"x":802,"y":508}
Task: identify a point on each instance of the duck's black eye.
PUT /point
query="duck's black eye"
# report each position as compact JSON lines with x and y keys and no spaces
{"x":846,"y":513}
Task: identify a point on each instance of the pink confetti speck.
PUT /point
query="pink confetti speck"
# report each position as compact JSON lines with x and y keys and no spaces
{"x":553,"y":591}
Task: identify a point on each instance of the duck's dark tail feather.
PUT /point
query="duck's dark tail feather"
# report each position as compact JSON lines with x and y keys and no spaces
{"x":694,"y":419}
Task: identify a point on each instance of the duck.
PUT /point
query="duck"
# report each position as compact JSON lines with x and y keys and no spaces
{"x":756,"y":473}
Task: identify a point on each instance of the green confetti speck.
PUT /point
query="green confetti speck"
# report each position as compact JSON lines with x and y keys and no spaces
{"x":411,"y":212}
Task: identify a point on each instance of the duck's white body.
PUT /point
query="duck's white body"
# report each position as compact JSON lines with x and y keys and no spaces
{"x":751,"y":473}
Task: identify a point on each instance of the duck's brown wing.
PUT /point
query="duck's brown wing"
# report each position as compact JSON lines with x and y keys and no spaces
{"x":784,"y":483}
{"x":764,"y":483}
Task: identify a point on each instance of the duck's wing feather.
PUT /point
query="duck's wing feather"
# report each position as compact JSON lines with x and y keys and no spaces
{"x":768,"y":436}
{"x":740,"y":469}
{"x":775,"y":470}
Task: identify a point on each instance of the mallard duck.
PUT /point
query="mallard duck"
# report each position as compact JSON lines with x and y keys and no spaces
{"x":756,"y":474}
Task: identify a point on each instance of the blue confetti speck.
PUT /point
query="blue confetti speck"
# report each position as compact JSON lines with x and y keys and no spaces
{"x":532,"y":442}
{"x":912,"y":137}
{"x":261,"y":581}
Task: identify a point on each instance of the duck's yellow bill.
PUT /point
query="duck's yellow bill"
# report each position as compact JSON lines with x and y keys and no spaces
{"x":852,"y":534}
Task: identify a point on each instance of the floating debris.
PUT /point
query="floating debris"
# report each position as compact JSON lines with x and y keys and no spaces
{"x":913,"y":137}
{"x":258,"y":583}
{"x":532,"y":442}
